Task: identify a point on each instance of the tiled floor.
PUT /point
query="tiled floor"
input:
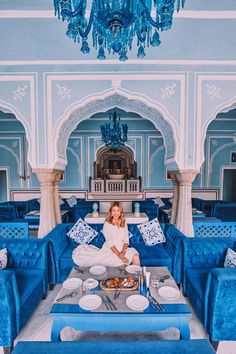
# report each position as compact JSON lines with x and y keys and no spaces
{"x":39,"y":328}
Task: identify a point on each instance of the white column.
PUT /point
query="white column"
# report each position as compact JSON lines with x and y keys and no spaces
{"x":56,"y":197}
{"x":48,"y":220}
{"x":184,"y":217}
{"x":175,"y":196}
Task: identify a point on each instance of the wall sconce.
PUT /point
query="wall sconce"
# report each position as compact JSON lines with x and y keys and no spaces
{"x":24,"y":176}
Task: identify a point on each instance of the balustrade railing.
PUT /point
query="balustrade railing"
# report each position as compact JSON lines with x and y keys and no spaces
{"x":114,"y":186}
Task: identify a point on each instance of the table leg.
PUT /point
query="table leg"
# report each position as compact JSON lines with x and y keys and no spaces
{"x":56,"y":330}
{"x":184,"y":329}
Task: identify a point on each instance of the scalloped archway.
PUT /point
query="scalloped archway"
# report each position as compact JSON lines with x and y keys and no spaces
{"x":134,"y":103}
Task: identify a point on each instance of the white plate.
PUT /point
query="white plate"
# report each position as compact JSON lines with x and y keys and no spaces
{"x":90,"y":283}
{"x":97,"y":270}
{"x":72,"y":283}
{"x":137,"y":302}
{"x":169,"y":293}
{"x":133,"y":269}
{"x":90,"y":302}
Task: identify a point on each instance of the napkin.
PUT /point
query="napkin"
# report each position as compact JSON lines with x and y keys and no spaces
{"x":147,"y":279}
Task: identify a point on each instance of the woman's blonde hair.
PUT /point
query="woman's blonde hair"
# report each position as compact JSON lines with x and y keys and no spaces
{"x":109,"y":218}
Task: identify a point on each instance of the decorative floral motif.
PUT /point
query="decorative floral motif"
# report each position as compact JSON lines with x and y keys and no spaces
{"x":82,"y":233}
{"x":152,"y":232}
{"x":213,"y":91}
{"x":76,"y":143}
{"x":154,"y":142}
{"x":19,"y":93}
{"x":63,"y":91}
{"x":14,"y":144}
{"x":168,"y":91}
{"x":214,"y":142}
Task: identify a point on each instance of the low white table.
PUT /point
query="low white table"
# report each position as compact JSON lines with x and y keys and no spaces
{"x":130,"y":218}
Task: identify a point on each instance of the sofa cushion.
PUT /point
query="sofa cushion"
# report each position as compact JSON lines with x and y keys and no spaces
{"x":154,"y":256}
{"x":3,"y":258}
{"x":82,"y":233}
{"x":151,"y":232}
{"x":198,"y":278}
{"x":195,"y":285}
{"x":27,"y":281}
{"x":230,"y":259}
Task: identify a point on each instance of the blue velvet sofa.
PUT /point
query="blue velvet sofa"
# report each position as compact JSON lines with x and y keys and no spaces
{"x":61,"y":248}
{"x":225,"y":212}
{"x":15,"y":210}
{"x":176,"y":239}
{"x":147,"y":206}
{"x":139,"y":347}
{"x":211,"y":288}
{"x":22,"y":284}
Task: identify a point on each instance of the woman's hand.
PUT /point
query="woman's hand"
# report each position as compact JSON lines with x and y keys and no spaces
{"x":125,"y":260}
{"x":122,"y":254}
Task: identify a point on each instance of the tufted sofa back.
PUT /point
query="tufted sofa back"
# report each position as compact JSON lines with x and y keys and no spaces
{"x":205,"y":253}
{"x":99,"y":240}
{"x":25,"y":253}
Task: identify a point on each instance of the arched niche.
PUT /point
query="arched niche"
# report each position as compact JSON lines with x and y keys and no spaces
{"x":120,"y":163}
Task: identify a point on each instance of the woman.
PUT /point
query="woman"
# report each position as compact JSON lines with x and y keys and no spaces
{"x":115,"y":251}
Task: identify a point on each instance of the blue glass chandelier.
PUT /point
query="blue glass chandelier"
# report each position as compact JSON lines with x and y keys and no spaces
{"x":113,"y":136}
{"x":115,"y":23}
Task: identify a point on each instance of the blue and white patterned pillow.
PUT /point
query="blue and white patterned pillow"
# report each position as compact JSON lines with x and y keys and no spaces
{"x":230,"y":259}
{"x":3,"y":258}
{"x":130,"y":234}
{"x":159,"y":202}
{"x":82,"y":233}
{"x":152,"y":232}
{"x":72,"y":201}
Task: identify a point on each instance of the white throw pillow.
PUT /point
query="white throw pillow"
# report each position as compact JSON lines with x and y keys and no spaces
{"x":152,"y":232}
{"x":230,"y":259}
{"x":61,"y":201}
{"x":72,"y":201}
{"x":3,"y":258}
{"x":159,"y":201}
{"x":82,"y":233}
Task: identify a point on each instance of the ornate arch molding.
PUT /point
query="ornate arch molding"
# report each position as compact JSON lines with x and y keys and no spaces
{"x":223,"y":107}
{"x":12,"y":109}
{"x":122,"y":100}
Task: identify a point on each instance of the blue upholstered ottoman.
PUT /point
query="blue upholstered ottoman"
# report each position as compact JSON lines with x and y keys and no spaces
{"x":161,"y":347}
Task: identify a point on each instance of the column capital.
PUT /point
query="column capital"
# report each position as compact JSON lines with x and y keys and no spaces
{"x":48,"y":175}
{"x":186,"y":176}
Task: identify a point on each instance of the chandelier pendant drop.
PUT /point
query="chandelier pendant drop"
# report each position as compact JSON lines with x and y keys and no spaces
{"x":115,"y":23}
{"x":113,"y":136}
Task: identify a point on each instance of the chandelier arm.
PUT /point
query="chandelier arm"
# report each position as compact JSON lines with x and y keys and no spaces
{"x":150,"y":19}
{"x":87,"y":30}
{"x":141,"y":39}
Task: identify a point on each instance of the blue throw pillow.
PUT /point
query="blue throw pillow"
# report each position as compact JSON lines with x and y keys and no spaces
{"x":82,"y":233}
{"x":3,"y":258}
{"x":230,"y":259}
{"x":152,"y":232}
